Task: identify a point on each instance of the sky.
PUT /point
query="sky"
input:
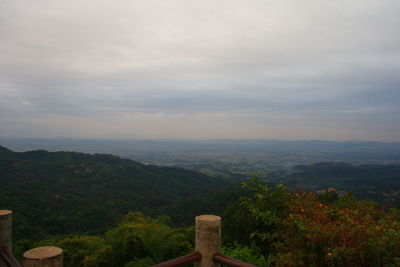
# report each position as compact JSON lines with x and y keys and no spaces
{"x":209,"y":69}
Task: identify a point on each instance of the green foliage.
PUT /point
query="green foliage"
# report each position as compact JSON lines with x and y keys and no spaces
{"x":258,"y":218}
{"x":247,"y":254}
{"x":138,"y":240}
{"x":145,"y":262}
{"x":303,"y":229}
{"x":76,"y":249}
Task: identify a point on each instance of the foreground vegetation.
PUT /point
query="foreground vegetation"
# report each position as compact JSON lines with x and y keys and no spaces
{"x":305,"y":229}
{"x":271,"y":227}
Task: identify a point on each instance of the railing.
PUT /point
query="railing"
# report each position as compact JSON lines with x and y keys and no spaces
{"x":187,"y":259}
{"x":7,"y":258}
{"x":196,"y":257}
{"x":37,"y":257}
{"x":207,"y":252}
{"x":231,"y":261}
{"x":208,"y":243}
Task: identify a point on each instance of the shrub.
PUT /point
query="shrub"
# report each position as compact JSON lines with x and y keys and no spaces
{"x":303,"y":229}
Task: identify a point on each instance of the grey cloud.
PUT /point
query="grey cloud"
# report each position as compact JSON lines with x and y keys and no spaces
{"x":266,"y":62}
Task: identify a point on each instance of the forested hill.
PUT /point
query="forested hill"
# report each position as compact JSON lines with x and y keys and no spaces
{"x":377,"y":182}
{"x":65,"y":192}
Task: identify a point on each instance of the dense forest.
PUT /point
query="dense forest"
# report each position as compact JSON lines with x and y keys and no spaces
{"x":67,"y":192}
{"x":380,"y":183}
{"x":107,"y":211}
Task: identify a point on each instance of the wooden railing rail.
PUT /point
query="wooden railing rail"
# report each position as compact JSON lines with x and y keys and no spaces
{"x":231,"y":262}
{"x":196,"y":257}
{"x":187,"y":259}
{"x":8,"y":258}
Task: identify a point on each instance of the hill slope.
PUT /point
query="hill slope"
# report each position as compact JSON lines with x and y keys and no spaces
{"x":65,"y":192}
{"x":377,"y":182}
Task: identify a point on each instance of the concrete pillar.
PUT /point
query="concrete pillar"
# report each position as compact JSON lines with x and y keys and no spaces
{"x":43,"y":257}
{"x":6,"y":227}
{"x":208,"y":239}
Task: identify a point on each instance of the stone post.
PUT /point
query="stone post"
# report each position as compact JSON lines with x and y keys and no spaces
{"x":43,"y":257}
{"x":208,"y":239}
{"x":6,"y":227}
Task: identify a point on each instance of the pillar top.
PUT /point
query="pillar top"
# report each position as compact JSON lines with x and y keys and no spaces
{"x":208,"y":218}
{"x":5,"y":212}
{"x":41,"y":253}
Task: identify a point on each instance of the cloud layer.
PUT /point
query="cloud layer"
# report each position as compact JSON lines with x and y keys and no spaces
{"x":200,"y":69}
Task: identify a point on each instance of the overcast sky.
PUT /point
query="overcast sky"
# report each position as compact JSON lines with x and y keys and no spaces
{"x":310,"y":69}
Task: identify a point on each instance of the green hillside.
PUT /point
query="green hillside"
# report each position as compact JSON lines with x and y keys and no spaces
{"x":374,"y":182}
{"x":67,"y":192}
